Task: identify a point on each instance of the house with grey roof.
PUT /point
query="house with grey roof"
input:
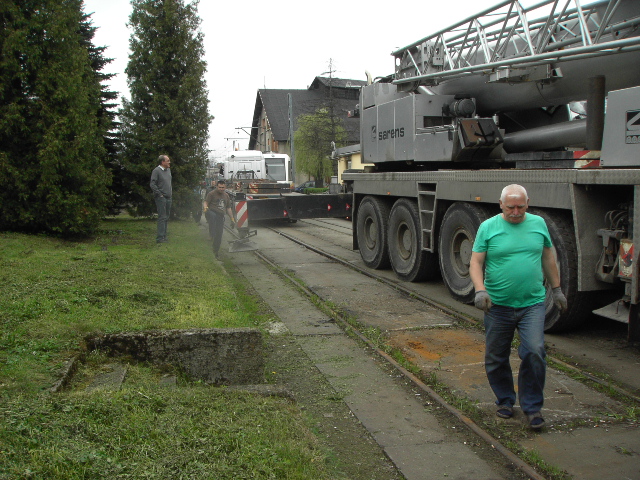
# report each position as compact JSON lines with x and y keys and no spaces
{"x":270,"y":128}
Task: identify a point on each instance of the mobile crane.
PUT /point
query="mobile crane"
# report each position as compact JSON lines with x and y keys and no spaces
{"x":510,"y":95}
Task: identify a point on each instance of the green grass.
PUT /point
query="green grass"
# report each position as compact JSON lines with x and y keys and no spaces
{"x":148,"y":431}
{"x":55,"y":292}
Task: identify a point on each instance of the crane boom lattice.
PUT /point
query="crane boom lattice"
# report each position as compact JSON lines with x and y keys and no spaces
{"x":504,"y":44}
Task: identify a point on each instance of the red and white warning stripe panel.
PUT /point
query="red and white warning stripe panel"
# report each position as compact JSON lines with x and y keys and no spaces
{"x":241,"y":214}
{"x":586,"y":158}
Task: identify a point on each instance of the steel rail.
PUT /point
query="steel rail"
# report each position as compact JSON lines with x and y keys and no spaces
{"x":417,"y":382}
{"x":466,"y":421}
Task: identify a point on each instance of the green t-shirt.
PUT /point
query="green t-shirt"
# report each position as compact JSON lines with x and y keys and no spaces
{"x":513,"y":264}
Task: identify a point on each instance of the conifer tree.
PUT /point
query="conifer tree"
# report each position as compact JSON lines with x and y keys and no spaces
{"x":106,"y":113}
{"x":168,"y":110}
{"x":52,"y":178}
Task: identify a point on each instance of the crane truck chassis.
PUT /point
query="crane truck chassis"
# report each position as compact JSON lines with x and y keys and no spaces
{"x":499,"y":99}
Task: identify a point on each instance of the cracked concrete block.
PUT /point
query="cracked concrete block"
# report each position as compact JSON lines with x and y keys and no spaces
{"x":218,"y":356}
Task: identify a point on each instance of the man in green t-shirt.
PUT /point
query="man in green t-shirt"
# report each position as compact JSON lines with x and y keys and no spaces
{"x":515,"y":250}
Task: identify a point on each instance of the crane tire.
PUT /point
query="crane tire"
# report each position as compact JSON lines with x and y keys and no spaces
{"x":371,"y":229}
{"x":457,"y":234}
{"x":560,"y":226}
{"x":409,"y":262}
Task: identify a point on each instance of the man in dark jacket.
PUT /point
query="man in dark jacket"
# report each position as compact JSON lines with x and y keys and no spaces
{"x":161,"y":187}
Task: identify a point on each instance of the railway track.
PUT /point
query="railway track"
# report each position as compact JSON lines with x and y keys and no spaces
{"x":470,"y":424}
{"x":429,"y":301}
{"x":342,"y":233}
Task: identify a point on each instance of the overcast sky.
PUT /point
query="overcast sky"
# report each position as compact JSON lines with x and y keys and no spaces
{"x":283,"y":44}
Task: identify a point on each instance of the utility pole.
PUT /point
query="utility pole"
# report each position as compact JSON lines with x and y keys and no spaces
{"x":331,"y":102}
{"x":332,"y":117}
{"x":292,"y":151}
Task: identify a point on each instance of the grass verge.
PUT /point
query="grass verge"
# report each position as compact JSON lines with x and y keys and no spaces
{"x":57,"y":291}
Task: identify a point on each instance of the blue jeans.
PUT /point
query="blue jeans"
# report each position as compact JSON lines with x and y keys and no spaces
{"x":163,"y":204}
{"x":500,"y":325}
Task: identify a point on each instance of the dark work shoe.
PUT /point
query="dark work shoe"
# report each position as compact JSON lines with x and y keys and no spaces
{"x":536,"y":421}
{"x":504,"y":411}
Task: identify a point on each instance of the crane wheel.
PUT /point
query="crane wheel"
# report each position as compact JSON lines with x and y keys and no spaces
{"x":371,"y":228}
{"x":457,"y":234}
{"x":562,"y":234}
{"x":409,"y":262}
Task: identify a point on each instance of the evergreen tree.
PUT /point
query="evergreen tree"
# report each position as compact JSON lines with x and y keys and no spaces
{"x":52,"y":178}
{"x":168,"y":110}
{"x":106,"y":114}
{"x":314,"y":142}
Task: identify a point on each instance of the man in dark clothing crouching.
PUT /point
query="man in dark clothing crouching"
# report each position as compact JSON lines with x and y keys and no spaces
{"x":215,"y":205}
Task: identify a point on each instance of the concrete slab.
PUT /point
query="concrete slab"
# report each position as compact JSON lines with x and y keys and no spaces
{"x":457,"y":357}
{"x":342,"y":248}
{"x":604,"y":349}
{"x":445,"y":461}
{"x":110,"y":378}
{"x":375,"y":303}
{"x":301,"y":317}
{"x":395,"y":417}
{"x":296,"y":256}
{"x":220,"y":356}
{"x":601,"y":452}
{"x":323,"y":233}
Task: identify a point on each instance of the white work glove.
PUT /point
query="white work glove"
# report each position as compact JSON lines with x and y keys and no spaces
{"x":559,"y":300}
{"x":482,"y":300}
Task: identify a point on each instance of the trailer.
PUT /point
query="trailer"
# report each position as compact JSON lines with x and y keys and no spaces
{"x":256,"y":165}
